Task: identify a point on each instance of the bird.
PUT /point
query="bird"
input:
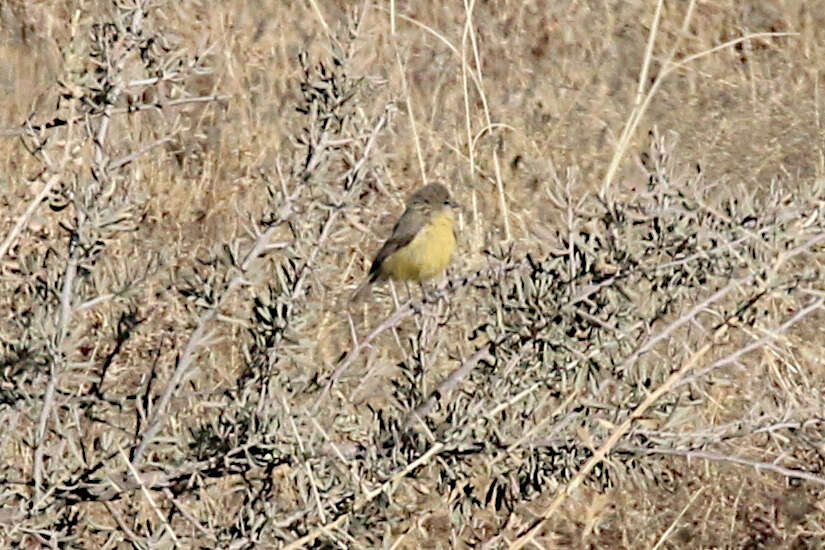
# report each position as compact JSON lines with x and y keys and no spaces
{"x":422,"y":241}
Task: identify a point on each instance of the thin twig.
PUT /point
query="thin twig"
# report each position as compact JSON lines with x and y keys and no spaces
{"x":719,"y":457}
{"x":672,"y":527}
{"x":449,"y":383}
{"x":148,"y":495}
{"x":123,"y":161}
{"x":638,"y":111}
{"x":24,"y":218}
{"x":399,"y":315}
{"x":195,"y":342}
{"x":773,"y":335}
{"x":614,"y":438}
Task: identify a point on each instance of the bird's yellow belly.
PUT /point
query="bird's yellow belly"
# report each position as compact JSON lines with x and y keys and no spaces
{"x":427,"y":255}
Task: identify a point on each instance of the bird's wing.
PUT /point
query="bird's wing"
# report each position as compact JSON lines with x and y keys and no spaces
{"x":404,"y":231}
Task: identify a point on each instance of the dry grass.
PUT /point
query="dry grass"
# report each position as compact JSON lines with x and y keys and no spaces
{"x":626,"y":353}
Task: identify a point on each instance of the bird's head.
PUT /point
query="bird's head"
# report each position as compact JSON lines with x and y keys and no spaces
{"x":431,"y":199}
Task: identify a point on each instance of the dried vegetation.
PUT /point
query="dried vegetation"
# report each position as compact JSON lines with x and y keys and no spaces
{"x":626,"y":352}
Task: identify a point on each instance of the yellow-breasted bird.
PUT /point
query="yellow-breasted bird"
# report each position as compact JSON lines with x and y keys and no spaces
{"x":421,"y":243}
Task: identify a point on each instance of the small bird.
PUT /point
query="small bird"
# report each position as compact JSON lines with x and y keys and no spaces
{"x":421,"y":243}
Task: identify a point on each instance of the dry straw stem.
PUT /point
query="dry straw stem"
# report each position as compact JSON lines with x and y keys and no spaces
{"x":469,"y":31}
{"x":674,"y":380}
{"x":368,"y":496}
{"x":733,"y":358}
{"x":359,"y":345}
{"x":690,"y":454}
{"x":411,"y":112}
{"x":450,"y":383}
{"x":468,"y":35}
{"x":310,"y":537}
{"x":614,"y":438}
{"x":675,"y":523}
{"x":198,"y":339}
{"x":643,"y":100}
{"x":149,"y":498}
{"x":24,"y":218}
